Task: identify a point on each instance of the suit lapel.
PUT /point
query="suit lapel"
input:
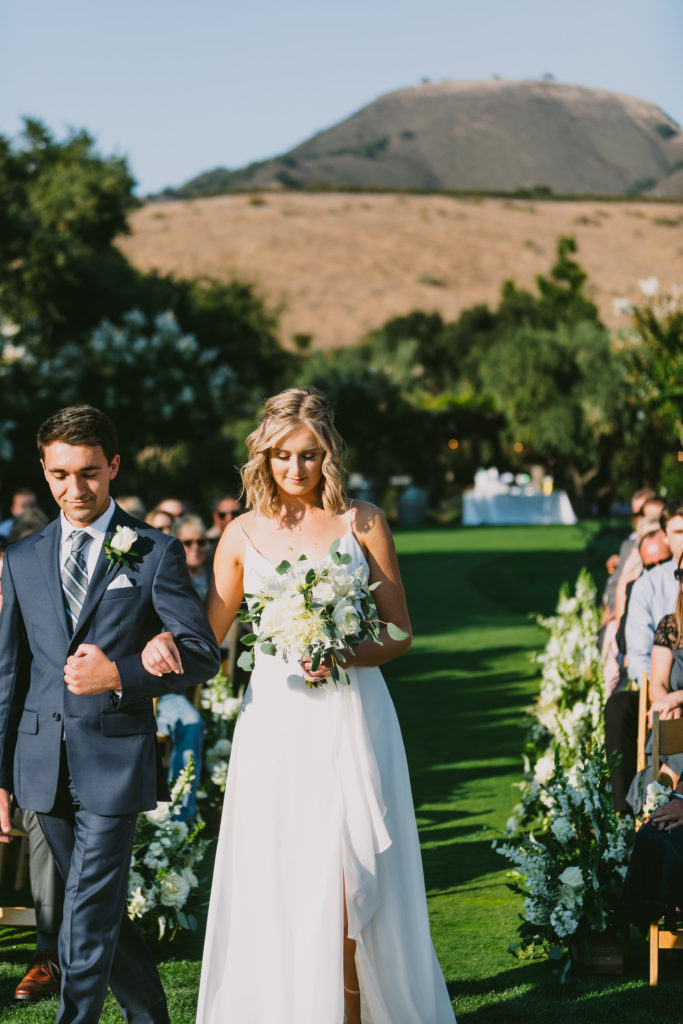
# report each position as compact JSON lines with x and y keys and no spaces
{"x":47,"y":552}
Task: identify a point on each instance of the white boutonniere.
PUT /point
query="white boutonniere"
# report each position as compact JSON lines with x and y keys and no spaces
{"x":119,"y":548}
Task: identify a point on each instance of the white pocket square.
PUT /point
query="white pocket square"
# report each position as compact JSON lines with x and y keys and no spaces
{"x":119,"y":582}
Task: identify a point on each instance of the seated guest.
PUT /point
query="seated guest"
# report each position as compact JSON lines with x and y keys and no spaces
{"x":223,"y":511}
{"x":174,"y":506}
{"x":22,"y":500}
{"x":665,"y":692}
{"x":160,"y":519}
{"x":191,"y":533}
{"x":654,"y":885}
{"x":653,"y":595}
{"x":133,"y":505}
{"x":615,"y":562}
{"x":177,"y":717}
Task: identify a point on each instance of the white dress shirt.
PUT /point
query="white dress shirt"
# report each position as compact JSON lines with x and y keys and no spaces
{"x":96,"y":530}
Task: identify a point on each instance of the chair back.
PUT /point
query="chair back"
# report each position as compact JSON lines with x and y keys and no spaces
{"x":667,"y":738}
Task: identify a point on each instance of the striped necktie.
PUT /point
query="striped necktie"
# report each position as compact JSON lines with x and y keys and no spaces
{"x":75,"y":575}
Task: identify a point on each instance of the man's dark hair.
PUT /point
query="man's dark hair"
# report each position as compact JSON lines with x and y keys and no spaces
{"x":671,"y":509}
{"x":79,"y":425}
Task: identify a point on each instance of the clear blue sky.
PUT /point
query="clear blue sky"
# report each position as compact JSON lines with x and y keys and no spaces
{"x":181,"y":86}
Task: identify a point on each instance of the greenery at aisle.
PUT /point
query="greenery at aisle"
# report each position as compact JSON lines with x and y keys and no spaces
{"x":460,"y":695}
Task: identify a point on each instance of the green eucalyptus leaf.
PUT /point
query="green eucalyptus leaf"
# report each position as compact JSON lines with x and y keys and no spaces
{"x":342,"y":676}
{"x":283,"y":567}
{"x":395,"y":633}
{"x":334,"y":546}
{"x":249,"y":639}
{"x":268,"y":648}
{"x":246,"y":661}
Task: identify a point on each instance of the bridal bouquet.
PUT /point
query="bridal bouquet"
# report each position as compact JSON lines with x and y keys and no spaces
{"x":317,"y":610}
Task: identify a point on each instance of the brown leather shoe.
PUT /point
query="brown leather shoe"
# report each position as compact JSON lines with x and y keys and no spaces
{"x":42,"y":978}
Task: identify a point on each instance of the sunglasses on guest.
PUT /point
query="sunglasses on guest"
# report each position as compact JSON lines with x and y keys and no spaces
{"x":678,"y":573}
{"x":232,"y":512}
{"x":197,"y":543}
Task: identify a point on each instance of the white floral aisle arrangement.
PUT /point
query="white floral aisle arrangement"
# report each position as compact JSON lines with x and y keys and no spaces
{"x":319,"y":610}
{"x":568,"y":712}
{"x":571,"y":876}
{"x":164,"y":887}
{"x":219,"y":710}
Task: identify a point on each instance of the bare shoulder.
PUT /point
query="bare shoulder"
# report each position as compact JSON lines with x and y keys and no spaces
{"x":231,"y":545}
{"x":371,"y":527}
{"x":368,"y":518}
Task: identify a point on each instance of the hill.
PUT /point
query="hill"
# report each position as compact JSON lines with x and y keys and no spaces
{"x":339,"y":264}
{"x":489,"y":136}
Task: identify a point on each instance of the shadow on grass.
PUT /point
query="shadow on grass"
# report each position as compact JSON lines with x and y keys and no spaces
{"x":534,"y":995}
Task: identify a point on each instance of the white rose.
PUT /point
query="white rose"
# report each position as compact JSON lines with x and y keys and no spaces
{"x":123,"y":539}
{"x":343,"y":581}
{"x":174,"y":889}
{"x":572,"y":877}
{"x":275,"y":618}
{"x":324,"y":592}
{"x":346,"y":618}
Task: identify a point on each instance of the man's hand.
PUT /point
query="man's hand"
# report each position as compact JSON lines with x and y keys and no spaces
{"x":5,"y":823}
{"x":90,"y":671}
{"x":668,"y":816}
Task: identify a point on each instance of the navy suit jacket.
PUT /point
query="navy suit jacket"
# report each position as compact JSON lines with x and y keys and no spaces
{"x":111,"y":750}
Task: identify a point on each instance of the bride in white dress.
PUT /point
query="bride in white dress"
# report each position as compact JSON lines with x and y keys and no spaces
{"x":318,"y":904}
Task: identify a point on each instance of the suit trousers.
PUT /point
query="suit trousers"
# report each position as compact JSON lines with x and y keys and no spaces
{"x":47,"y":887}
{"x":98,"y":945}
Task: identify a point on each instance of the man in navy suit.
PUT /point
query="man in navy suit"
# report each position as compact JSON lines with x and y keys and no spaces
{"x":81,"y":598}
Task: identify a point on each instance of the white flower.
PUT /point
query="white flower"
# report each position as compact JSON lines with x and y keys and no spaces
{"x":324,"y":592}
{"x":544,"y":768}
{"x":655,"y":795}
{"x":622,"y":307}
{"x":174,"y":889}
{"x":649,"y":286}
{"x":343,"y":581}
{"x":123,"y":539}
{"x":137,"y":904}
{"x":562,"y":829}
{"x":161,"y":814}
{"x":346,"y":618}
{"x":572,"y":877}
{"x":155,"y":856}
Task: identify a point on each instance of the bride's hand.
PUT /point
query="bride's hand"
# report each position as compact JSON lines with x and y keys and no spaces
{"x":161,"y":656}
{"x":318,"y":676}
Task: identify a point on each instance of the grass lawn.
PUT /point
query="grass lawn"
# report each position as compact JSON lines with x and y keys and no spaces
{"x":460,"y":695}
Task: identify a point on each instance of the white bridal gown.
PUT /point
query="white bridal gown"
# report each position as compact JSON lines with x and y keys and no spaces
{"x":318,"y":795}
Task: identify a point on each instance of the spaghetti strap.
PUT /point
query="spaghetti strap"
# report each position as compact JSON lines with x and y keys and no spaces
{"x":250,"y":541}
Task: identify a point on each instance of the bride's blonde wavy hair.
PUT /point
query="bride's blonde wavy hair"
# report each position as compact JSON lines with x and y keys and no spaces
{"x":282,"y":414}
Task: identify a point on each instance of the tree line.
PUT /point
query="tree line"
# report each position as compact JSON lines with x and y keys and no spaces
{"x":182,"y":366}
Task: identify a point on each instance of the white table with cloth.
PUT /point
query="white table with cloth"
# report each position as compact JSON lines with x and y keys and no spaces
{"x":517,"y":509}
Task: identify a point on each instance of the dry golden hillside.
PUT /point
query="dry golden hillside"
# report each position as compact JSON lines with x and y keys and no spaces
{"x":339,"y":264}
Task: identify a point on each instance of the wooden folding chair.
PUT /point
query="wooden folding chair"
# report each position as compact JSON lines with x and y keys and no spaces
{"x":667,"y":738}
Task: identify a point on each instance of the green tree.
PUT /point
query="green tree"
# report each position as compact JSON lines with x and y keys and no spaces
{"x":63,"y":205}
